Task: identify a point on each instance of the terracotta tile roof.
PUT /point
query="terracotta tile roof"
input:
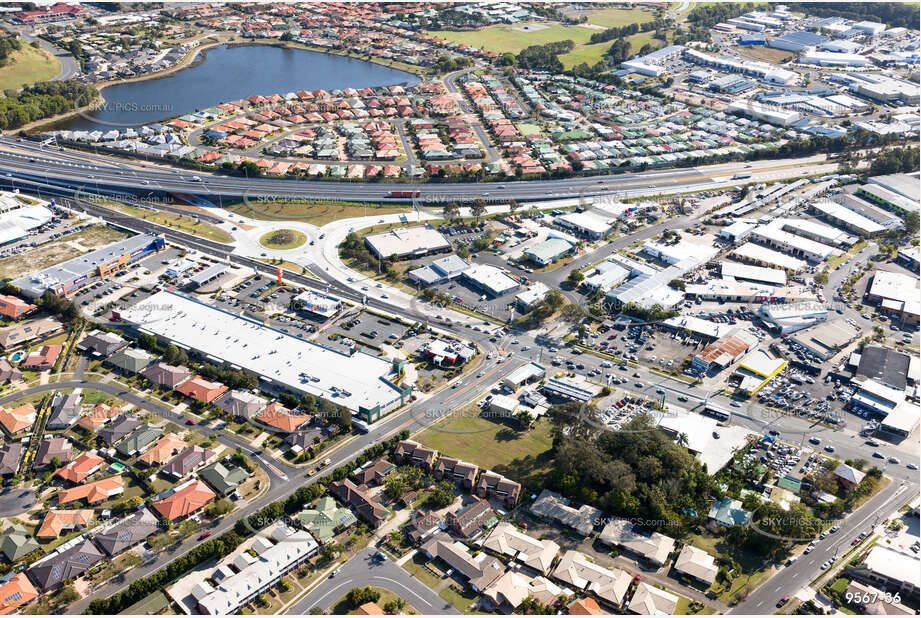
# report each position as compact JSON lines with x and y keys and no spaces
{"x":94,"y":492}
{"x":17,"y":419}
{"x":81,"y":467}
{"x":16,"y":592}
{"x":186,"y":501}
{"x":585,"y":607}
{"x":201,"y":389}
{"x":165,"y":449}
{"x":56,"y":522}
{"x":277,"y":416}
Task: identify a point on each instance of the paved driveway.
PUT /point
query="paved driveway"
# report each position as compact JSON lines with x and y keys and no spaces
{"x":363,"y":570}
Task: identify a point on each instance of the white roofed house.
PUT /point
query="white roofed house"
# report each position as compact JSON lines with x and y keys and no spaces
{"x":609,"y":585}
{"x":696,"y":563}
{"x":507,"y":540}
{"x":654,"y":547}
{"x":241,"y":403}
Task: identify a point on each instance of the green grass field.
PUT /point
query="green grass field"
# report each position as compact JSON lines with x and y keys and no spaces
{"x":27,"y":66}
{"x":521,"y":455}
{"x":283,"y":239}
{"x":501,"y":38}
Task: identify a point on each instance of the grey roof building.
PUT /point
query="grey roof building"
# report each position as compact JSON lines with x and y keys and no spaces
{"x":241,"y":403}
{"x":10,"y":454}
{"x":65,"y":410}
{"x":127,"y":532}
{"x":70,"y":563}
{"x":53,"y":447}
{"x":118,"y":429}
{"x":8,"y":373}
{"x":190,"y":458}
{"x":170,"y":376}
{"x":101,"y":343}
{"x":16,"y":543}
{"x":224,"y":480}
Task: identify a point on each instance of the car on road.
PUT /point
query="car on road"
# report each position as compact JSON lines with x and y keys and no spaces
{"x":865,"y":316}
{"x":736,"y":404}
{"x":878,"y":455}
{"x":829,"y":448}
{"x":639,"y":385}
{"x":872,"y":443}
{"x":893,"y":460}
{"x":204,"y":535}
{"x":911,"y":466}
{"x":834,"y":528}
{"x":334,"y":573}
{"x":682,"y":398}
{"x":191,"y":422}
{"x":783,"y":601}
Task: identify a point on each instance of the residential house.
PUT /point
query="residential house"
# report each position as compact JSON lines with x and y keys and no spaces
{"x":64,"y":565}
{"x":280,"y":418}
{"x":368,"y":509}
{"x":511,"y":589}
{"x":509,"y":541}
{"x":890,"y":569}
{"x":10,"y":454}
{"x":22,"y":333}
{"x":43,"y":358}
{"x":8,"y":373}
{"x":101,"y":343}
{"x":453,"y":469}
{"x":411,"y":452}
{"x":136,"y":442}
{"x":374,"y":472}
{"x":369,"y":609}
{"x":66,"y":409}
{"x":51,"y":448}
{"x":165,"y":449}
{"x":131,"y":360}
{"x":169,"y":376}
{"x":17,"y":420}
{"x":326,"y":519}
{"x":468,"y":521}
{"x":242,"y":404}
{"x":493,"y":484}
{"x":185,"y":500}
{"x":223,"y":479}
{"x":93,"y":493}
{"x":128,"y":532}
{"x":201,"y":389}
{"x":651,"y":601}
{"x":551,"y":506}
{"x":16,"y":592}
{"x":187,"y":460}
{"x":422,"y":525}
{"x":56,"y":522}
{"x":14,"y":308}
{"x":85,"y":465}
{"x":697,"y":563}
{"x":579,"y":572}
{"x":654,"y":547}
{"x":729,"y":512}
{"x":118,"y":429}
{"x":16,"y":543}
{"x":480,"y":570}
{"x":849,"y":477}
{"x":585,"y":607}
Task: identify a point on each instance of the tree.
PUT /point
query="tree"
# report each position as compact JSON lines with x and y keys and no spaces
{"x":451,"y":211}
{"x":442,"y":495}
{"x":316,"y":611}
{"x":356,"y":597}
{"x":677,"y":284}
{"x":910,"y":220}
{"x":395,"y":486}
{"x":462,"y":252}
{"x":821,"y":278}
{"x":513,"y":205}
{"x":575,"y":277}
{"x":219,"y":508}
{"x":572,"y":313}
{"x":66,"y":596}
{"x":477,"y":208}
{"x":395,"y":606}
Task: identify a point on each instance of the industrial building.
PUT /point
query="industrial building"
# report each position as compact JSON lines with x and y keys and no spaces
{"x":724,"y":351}
{"x":755,"y":370}
{"x":365,"y":384}
{"x":320,"y":304}
{"x":584,"y":224}
{"x":67,"y":277}
{"x":17,"y":219}
{"x":797,"y":41}
{"x":760,"y":111}
{"x":754,"y":274}
{"x":898,"y":294}
{"x":833,"y":59}
{"x":774,"y":235}
{"x":439,"y":271}
{"x":851,"y":220}
{"x":788,"y":318}
{"x":407,"y":242}
{"x":826,"y":339}
{"x":548,"y":251}
{"x":494,"y":281}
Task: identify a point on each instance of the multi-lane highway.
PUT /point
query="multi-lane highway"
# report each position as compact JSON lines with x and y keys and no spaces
{"x":26,"y":159}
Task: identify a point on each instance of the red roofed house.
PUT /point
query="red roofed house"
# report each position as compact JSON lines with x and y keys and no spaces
{"x":201,"y":389}
{"x":16,"y":592}
{"x":94,"y":492}
{"x":81,"y":467}
{"x":192,"y":497}
{"x":17,"y":419}
{"x":12,"y":307}
{"x":42,"y":359}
